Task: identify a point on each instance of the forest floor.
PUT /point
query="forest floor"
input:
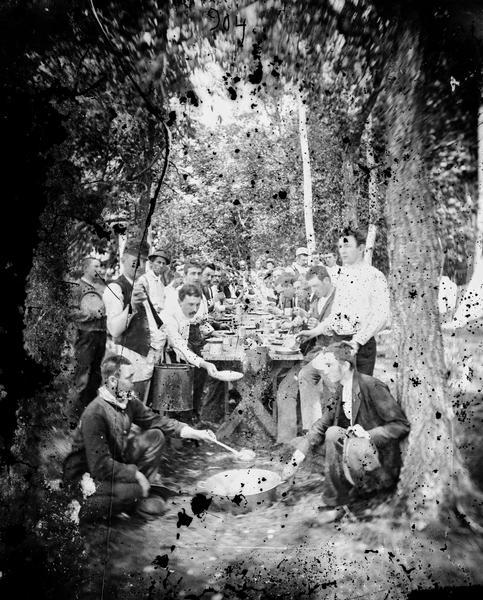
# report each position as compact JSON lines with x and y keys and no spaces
{"x":283,"y":550}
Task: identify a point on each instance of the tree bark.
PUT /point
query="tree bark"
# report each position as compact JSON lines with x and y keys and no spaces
{"x":432,"y":473}
{"x":373,"y":199}
{"x":349,"y":211}
{"x":308,"y":209}
{"x":479,"y":212}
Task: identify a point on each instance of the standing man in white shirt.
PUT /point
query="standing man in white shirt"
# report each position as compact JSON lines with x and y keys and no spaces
{"x":153,"y":279}
{"x":132,"y":320}
{"x":361,"y":305}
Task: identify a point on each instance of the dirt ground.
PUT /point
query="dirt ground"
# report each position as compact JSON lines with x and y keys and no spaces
{"x":279,"y":551}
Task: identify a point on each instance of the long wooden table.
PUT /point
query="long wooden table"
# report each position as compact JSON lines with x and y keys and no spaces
{"x":261,"y":366}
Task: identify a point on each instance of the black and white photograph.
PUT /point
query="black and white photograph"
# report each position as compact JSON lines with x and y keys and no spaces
{"x":242,"y":267}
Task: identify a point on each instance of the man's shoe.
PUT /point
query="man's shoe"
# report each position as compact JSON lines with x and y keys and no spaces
{"x":152,"y":506}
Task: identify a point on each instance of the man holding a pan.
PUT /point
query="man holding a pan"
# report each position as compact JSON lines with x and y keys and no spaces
{"x":361,"y":426}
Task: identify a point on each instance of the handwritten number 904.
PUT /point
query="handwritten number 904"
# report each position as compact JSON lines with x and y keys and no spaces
{"x":225,"y":23}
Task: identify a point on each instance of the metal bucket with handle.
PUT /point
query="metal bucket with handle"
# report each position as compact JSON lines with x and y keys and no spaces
{"x":172,"y":387}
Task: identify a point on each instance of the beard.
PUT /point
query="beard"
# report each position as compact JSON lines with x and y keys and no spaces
{"x":123,"y":396}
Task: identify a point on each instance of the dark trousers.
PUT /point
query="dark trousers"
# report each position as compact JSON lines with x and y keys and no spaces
{"x":199,"y":380}
{"x":112,"y":497}
{"x":89,"y":349}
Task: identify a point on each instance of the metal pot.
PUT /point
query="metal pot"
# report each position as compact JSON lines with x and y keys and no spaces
{"x":241,"y":490}
{"x":172,"y":387}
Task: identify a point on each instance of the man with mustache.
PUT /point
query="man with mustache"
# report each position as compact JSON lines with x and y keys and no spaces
{"x":110,"y":469}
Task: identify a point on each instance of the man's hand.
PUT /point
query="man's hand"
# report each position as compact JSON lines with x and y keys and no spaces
{"x":143,"y":482}
{"x":210,"y":368}
{"x":312,"y":323}
{"x":292,"y":467}
{"x":358,"y":431}
{"x":203,"y":435}
{"x":306,"y":334}
{"x":354,"y":345}
{"x":138,"y":293}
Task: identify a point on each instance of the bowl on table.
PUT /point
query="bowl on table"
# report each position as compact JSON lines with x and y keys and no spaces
{"x":285,"y":350}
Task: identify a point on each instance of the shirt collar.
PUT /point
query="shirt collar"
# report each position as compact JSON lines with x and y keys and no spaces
{"x":106,"y":395}
{"x":153,"y":275}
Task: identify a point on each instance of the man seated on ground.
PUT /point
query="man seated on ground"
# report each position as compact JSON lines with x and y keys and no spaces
{"x":361,"y":427}
{"x":110,"y":469}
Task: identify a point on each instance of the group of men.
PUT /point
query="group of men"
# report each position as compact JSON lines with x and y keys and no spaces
{"x":343,"y":407}
{"x":148,"y":318}
{"x":151,"y":318}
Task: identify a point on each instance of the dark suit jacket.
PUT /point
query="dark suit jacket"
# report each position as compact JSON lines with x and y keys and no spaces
{"x":100,"y":439}
{"x":375,"y":409}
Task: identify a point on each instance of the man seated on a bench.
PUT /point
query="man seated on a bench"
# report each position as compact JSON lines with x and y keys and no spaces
{"x":361,"y":427}
{"x":110,"y":469}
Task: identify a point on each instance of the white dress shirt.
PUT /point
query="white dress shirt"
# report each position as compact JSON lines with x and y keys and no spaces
{"x":347,"y":399}
{"x":361,"y":303}
{"x":155,"y":289}
{"x":172,"y":306}
{"x":177,"y":328}
{"x":334,"y":273}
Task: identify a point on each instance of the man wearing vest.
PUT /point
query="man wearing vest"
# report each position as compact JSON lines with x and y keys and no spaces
{"x":306,"y":380}
{"x":132,"y":320}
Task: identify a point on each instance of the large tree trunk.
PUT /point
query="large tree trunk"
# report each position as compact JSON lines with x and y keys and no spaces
{"x":308,"y":209}
{"x":479,"y":212}
{"x":432,"y":464}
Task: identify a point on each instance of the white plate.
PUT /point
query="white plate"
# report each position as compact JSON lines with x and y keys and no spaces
{"x":282,"y":350}
{"x":229,"y":375}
